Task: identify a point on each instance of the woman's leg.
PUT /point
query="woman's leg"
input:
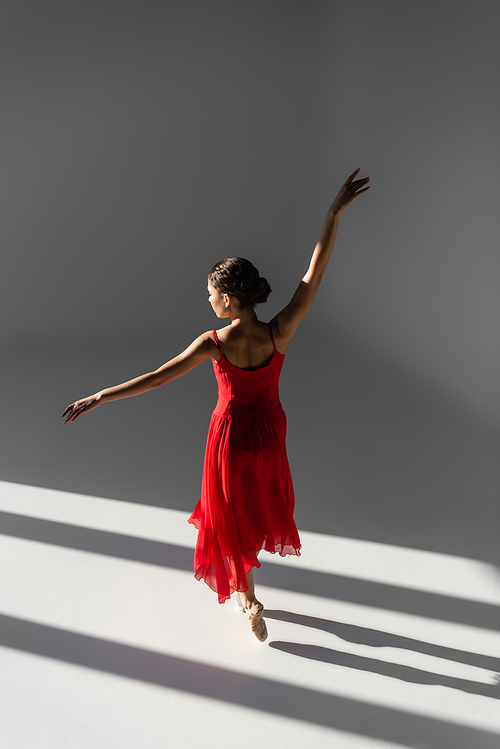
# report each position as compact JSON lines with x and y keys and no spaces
{"x":247,"y":597}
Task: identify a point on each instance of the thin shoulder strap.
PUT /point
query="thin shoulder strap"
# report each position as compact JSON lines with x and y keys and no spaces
{"x":216,"y":340}
{"x":272,"y":337}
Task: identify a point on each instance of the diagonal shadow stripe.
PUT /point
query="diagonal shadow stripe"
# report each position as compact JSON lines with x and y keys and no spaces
{"x":377,"y":639}
{"x":393,"y":670}
{"x":326,"y":585}
{"x":381,"y":596}
{"x":254,"y":692}
{"x":97,"y":542}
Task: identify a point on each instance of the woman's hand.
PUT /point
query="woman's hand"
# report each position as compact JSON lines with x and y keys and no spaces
{"x":80,"y":407}
{"x":347,"y":193}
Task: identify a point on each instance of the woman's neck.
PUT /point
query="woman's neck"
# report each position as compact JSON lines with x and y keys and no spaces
{"x":243,"y":317}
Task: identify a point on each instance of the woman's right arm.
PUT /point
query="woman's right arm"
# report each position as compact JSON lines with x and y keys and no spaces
{"x":287,"y":321}
{"x":200,"y":349}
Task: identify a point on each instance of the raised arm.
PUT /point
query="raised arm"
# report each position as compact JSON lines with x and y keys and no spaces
{"x":290,"y":316}
{"x":202,"y":348}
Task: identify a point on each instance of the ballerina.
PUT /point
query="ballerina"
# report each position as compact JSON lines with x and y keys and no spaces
{"x":247,"y":497}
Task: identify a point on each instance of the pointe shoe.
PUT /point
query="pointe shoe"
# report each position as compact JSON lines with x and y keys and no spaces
{"x":257,"y":621}
{"x":238,"y":601}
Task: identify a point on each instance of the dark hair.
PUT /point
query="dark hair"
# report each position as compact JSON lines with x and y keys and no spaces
{"x":237,"y":277}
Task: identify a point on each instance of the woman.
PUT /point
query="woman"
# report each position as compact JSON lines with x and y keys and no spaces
{"x":247,"y":498}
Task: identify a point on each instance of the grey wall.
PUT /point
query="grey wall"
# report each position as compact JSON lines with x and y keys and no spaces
{"x":142,"y":142}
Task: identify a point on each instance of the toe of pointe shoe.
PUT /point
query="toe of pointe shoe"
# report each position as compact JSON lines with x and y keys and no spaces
{"x":260,"y":630}
{"x":257,"y":621}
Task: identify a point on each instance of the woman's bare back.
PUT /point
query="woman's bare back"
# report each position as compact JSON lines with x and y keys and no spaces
{"x":248,"y":346}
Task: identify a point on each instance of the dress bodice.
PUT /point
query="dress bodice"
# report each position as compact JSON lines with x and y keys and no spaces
{"x":247,"y":392}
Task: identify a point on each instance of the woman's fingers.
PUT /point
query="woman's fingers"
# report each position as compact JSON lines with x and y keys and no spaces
{"x":76,"y":413}
{"x":73,"y":411}
{"x":349,"y":192}
{"x":354,"y":188}
{"x":351,"y":177}
{"x":360,"y":182}
{"x":80,"y":407}
{"x":70,"y":414}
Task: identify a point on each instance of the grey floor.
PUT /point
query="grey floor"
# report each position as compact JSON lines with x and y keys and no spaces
{"x":107,"y":640}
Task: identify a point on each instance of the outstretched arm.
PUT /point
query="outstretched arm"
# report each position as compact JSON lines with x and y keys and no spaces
{"x":202,"y":348}
{"x":290,"y":316}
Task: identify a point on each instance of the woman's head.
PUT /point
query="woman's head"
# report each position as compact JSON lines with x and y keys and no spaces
{"x":238,"y":278}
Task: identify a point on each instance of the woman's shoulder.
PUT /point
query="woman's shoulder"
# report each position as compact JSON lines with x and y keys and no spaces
{"x":208,"y":343}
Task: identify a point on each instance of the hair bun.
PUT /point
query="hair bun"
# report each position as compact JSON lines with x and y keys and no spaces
{"x":262,"y":290}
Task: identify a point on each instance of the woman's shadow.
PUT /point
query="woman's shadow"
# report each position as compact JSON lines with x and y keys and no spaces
{"x":376,"y":638}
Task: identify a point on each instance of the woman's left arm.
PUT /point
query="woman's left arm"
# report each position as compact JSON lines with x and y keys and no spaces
{"x":202,"y":348}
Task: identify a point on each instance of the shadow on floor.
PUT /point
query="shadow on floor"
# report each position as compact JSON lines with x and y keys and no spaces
{"x":248,"y":691}
{"x":377,"y":639}
{"x":392,"y":670}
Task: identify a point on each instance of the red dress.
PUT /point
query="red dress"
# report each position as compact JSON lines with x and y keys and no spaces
{"x":247,"y":497}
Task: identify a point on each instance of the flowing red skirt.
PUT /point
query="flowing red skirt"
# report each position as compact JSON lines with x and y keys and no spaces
{"x":247,"y":500}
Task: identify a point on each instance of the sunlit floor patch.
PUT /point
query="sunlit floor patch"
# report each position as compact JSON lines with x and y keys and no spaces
{"x":122,"y":610}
